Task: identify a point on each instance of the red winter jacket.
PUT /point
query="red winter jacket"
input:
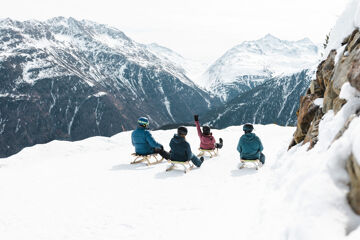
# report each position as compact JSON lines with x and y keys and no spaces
{"x":206,"y":141}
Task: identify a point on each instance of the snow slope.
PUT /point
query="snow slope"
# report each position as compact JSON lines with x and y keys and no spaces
{"x":88,"y":190}
{"x":346,"y":23}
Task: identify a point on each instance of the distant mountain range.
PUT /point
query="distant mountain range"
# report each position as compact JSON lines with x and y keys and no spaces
{"x":275,"y":101}
{"x":68,"y":80}
{"x":251,"y":63}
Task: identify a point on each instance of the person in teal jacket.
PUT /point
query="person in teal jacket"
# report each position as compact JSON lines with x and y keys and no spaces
{"x":250,"y":146}
{"x":144,"y":142}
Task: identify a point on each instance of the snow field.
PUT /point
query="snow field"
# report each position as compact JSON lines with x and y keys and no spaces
{"x":88,"y":190}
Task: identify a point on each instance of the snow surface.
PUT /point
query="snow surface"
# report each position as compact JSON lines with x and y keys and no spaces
{"x":346,"y":23}
{"x":88,"y":190}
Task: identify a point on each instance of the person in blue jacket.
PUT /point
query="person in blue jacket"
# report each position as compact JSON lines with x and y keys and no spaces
{"x":144,"y":142}
{"x":180,"y":148}
{"x":250,"y":146}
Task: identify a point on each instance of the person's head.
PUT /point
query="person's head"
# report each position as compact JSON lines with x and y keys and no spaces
{"x":248,"y":128}
{"x":182,"y":131}
{"x":143,"y":122}
{"x":206,"y":130}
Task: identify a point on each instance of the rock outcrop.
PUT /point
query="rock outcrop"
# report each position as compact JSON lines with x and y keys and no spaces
{"x":332,"y":73}
{"x":354,"y":195}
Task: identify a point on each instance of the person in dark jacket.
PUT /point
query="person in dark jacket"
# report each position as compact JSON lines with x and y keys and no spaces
{"x":250,"y":146}
{"x":180,"y":148}
{"x":143,"y":141}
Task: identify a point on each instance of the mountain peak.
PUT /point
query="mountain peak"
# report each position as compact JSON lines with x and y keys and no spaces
{"x":305,"y":40}
{"x":270,"y":37}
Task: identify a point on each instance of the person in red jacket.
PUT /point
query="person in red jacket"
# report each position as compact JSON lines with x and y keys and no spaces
{"x":207,"y":140}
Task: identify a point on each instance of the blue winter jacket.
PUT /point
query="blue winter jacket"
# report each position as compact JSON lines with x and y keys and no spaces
{"x":180,"y":149}
{"x":143,"y":142}
{"x":249,"y":146}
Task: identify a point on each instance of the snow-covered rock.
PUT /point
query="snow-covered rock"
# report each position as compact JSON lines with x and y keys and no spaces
{"x":337,"y":86}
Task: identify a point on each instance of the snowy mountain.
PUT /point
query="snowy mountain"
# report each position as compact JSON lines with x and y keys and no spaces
{"x":274,"y":101}
{"x":191,"y":68}
{"x":250,"y":63}
{"x":69,"y":79}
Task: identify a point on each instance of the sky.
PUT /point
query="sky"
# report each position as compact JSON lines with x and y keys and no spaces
{"x":198,"y":29}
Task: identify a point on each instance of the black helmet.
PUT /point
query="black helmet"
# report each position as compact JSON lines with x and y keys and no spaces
{"x":248,"y":127}
{"x":206,"y":130}
{"x":182,"y":131}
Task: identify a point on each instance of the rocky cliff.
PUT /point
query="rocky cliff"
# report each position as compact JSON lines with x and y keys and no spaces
{"x":337,"y":84}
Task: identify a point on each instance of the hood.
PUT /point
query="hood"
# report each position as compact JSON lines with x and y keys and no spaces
{"x":178,"y":139}
{"x":249,"y":137}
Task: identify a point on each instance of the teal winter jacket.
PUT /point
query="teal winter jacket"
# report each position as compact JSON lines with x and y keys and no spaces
{"x":143,"y":142}
{"x":249,"y":146}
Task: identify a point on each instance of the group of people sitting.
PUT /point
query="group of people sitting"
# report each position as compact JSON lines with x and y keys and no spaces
{"x":249,"y":146}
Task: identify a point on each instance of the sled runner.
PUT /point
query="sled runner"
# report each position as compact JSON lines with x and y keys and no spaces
{"x":146,"y":158}
{"x":186,"y":165}
{"x":250,"y":164}
{"x":211,"y":152}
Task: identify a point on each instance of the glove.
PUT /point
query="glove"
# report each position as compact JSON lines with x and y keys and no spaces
{"x":196,"y":118}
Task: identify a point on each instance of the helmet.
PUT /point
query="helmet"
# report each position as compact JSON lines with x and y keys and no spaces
{"x":248,"y":127}
{"x":206,"y":130}
{"x":143,"y":122}
{"x":182,"y":131}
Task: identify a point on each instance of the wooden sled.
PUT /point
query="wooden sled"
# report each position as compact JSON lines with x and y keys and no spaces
{"x":211,"y":152}
{"x":250,"y":163}
{"x":188,"y":165}
{"x":146,"y":159}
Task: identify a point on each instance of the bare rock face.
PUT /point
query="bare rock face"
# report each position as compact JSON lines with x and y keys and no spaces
{"x":330,"y":77}
{"x":329,"y":97}
{"x":353,"y":196}
{"x":306,"y":114}
{"x":348,"y":68}
{"x":338,"y":103}
{"x":325,"y":71}
{"x":313,"y":132}
{"x":354,"y":72}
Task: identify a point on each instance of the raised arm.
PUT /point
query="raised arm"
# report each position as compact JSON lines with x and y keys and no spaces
{"x":196,"y":118}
